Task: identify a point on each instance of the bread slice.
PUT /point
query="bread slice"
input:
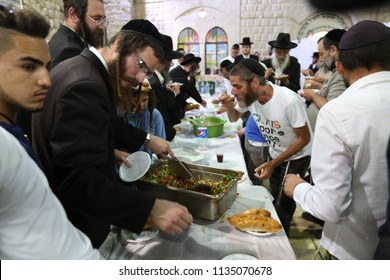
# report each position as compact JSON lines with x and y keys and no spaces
{"x":257,"y":211}
{"x":254,"y":221}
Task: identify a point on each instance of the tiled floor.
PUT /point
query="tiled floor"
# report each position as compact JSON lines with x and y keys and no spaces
{"x":304,"y":238}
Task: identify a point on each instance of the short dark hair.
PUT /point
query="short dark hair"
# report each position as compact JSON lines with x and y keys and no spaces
{"x":235,"y":47}
{"x":369,"y":56}
{"x":24,"y":21}
{"x":80,"y":7}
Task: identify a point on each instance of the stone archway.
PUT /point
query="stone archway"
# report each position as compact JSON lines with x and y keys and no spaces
{"x":322,"y":22}
{"x":314,"y":27}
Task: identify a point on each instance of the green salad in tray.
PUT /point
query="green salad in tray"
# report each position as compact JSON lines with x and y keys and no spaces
{"x":168,"y":177}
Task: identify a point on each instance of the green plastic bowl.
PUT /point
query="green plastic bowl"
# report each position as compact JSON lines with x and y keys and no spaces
{"x":214,"y":126}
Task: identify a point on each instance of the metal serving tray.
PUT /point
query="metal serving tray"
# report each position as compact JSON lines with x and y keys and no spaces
{"x":200,"y":205}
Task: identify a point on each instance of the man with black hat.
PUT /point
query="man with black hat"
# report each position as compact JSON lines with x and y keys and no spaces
{"x":283,"y":69}
{"x":280,"y":115}
{"x":165,"y":91}
{"x":313,"y":67}
{"x":246,"y":51}
{"x":349,"y":151}
{"x":335,"y":86}
{"x":188,"y":68}
{"x":76,"y":132}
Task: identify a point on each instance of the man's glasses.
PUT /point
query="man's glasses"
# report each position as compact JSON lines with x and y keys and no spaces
{"x":99,"y":21}
{"x":143,"y":67}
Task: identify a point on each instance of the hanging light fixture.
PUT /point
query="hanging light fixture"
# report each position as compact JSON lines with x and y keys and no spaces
{"x":202,"y":13}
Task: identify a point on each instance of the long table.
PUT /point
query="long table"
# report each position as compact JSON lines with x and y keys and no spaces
{"x":206,"y":239}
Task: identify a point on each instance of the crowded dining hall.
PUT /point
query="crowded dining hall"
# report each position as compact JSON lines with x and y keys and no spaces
{"x":165,"y":130}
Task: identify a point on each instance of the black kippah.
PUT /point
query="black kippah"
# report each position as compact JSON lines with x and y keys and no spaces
{"x":225,"y":63}
{"x":143,"y":27}
{"x":364,"y":33}
{"x":253,"y":66}
{"x":335,"y":35}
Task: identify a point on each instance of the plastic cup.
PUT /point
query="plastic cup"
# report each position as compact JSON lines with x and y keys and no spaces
{"x":219,"y":157}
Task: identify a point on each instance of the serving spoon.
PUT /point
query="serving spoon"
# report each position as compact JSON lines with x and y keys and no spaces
{"x":198,"y":186}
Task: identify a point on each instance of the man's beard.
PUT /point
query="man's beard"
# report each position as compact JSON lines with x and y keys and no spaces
{"x":93,"y":38}
{"x":249,"y":98}
{"x":280,"y":64}
{"x":320,"y":64}
{"x":330,"y":63}
{"x":123,"y":97}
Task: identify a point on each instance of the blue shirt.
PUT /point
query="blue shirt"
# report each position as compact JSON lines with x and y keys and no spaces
{"x":252,"y":131}
{"x":17,"y":132}
{"x":143,"y":121}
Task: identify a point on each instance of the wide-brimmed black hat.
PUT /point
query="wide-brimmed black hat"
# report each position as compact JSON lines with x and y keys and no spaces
{"x":246,"y":41}
{"x":282,"y":42}
{"x":142,"y":27}
{"x":190,"y":57}
{"x":169,"y":53}
{"x":316,"y":54}
{"x":364,"y":33}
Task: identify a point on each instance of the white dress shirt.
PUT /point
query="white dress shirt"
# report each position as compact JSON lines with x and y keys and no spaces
{"x":33,"y":223}
{"x":349,"y":168}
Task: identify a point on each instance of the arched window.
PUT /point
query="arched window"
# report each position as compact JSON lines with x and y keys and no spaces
{"x":216,"y":49}
{"x":189,"y":41}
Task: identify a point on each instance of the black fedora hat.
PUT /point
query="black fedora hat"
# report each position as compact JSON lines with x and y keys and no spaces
{"x":169,"y":53}
{"x":142,"y":27}
{"x":246,"y":41}
{"x":190,"y":57}
{"x":282,"y":42}
{"x":316,"y":54}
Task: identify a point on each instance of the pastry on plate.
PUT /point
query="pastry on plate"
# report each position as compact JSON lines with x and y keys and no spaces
{"x":255,"y":219}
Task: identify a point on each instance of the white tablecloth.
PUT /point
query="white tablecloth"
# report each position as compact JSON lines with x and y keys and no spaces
{"x":206,"y":239}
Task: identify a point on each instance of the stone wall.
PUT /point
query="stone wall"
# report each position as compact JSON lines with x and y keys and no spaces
{"x":52,"y":9}
{"x":261,"y":20}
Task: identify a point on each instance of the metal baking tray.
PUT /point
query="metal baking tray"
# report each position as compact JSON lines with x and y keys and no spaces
{"x":200,"y":205}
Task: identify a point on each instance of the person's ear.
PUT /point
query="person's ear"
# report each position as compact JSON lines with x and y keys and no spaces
{"x":255,"y":83}
{"x":339,"y":68}
{"x":333,"y":50}
{"x":73,"y":16}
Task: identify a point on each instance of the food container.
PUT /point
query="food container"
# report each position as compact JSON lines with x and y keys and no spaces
{"x":214,"y":126}
{"x":200,"y":205}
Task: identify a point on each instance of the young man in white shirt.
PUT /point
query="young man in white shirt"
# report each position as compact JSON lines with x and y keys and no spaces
{"x":33,"y":223}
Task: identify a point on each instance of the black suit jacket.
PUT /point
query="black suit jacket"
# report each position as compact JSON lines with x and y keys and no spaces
{"x":166,"y":106}
{"x":293,"y":70}
{"x":187,"y":90}
{"x":64,"y":44}
{"x":241,"y":57}
{"x":75,"y":136}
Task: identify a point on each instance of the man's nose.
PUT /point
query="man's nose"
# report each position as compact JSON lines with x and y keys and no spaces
{"x":140,"y":76}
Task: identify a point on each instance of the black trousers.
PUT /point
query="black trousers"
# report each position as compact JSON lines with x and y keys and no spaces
{"x":285,"y":206}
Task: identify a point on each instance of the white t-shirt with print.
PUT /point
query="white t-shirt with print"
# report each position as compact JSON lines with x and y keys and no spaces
{"x":277,"y":118}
